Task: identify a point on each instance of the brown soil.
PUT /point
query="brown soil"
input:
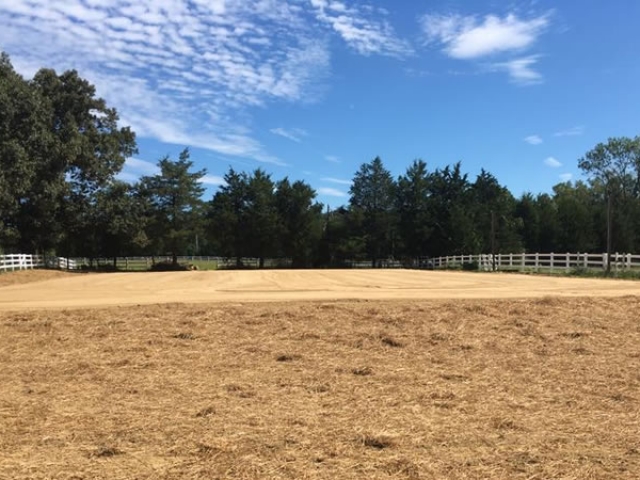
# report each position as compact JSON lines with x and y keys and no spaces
{"x":460,"y":389}
{"x":80,"y":291}
{"x":29,"y":276}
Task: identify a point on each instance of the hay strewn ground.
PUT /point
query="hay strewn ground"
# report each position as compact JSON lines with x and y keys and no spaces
{"x":530,"y":389}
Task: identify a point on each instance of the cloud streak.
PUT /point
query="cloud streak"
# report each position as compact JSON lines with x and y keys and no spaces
{"x":475,"y":38}
{"x":332,"y":192}
{"x":293,"y":134}
{"x":521,"y":70}
{"x":467,"y":37}
{"x":339,"y":181}
{"x":364,"y":28}
{"x":570,"y":132}
{"x":190,"y":72}
{"x":552,"y":162}
{"x":533,"y":139}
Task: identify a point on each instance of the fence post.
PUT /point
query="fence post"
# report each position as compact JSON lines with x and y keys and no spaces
{"x":604,"y":261}
{"x":568,"y":262}
{"x":537,"y":261}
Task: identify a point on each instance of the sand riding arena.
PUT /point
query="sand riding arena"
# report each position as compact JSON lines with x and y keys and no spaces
{"x":354,"y":374}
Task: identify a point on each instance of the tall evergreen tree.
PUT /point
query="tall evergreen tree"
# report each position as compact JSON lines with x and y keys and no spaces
{"x":414,"y":214}
{"x":174,"y":198}
{"x":226,"y":216}
{"x":262,"y":216}
{"x":300,"y":219}
{"x":373,"y":195}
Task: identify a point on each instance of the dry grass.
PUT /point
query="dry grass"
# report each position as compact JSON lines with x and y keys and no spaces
{"x":535,"y":389}
{"x":30,"y":276}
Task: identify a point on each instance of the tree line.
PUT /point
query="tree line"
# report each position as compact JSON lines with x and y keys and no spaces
{"x":61,"y":149}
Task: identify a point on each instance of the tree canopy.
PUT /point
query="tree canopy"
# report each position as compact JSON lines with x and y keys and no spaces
{"x":61,"y":149}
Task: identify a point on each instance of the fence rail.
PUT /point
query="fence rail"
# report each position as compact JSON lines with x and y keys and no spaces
{"x":541,"y":261}
{"x":485,"y":262}
{"x":21,"y":261}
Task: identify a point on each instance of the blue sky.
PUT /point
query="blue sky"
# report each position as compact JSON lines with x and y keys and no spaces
{"x":311,"y":89}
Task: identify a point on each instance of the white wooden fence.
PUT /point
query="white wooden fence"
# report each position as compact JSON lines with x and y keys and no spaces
{"x":541,"y":261}
{"x":508,"y":261}
{"x":21,"y":261}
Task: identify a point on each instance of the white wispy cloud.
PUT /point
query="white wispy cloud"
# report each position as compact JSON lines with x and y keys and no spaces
{"x":179,"y":71}
{"x":521,"y":70}
{"x":332,"y":192}
{"x":214,"y":180}
{"x":552,"y":162}
{"x":570,"y":132}
{"x":364,"y":28}
{"x":337,"y":180}
{"x":127,"y":176}
{"x":533,"y":139}
{"x":141,"y":166}
{"x":293,"y":134}
{"x":566,"y":177}
{"x":134,"y":168}
{"x":332,"y":159}
{"x":468,"y":37}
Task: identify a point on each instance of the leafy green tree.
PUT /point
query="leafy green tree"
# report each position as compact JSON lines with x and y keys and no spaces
{"x":450,"y":202}
{"x":261,"y":216}
{"x":529,"y":222}
{"x":121,"y":220}
{"x":341,"y":238}
{"x":243,"y":217}
{"x":575,"y":209}
{"x":59,"y":145}
{"x":414,"y":214}
{"x":549,"y":225}
{"x":300,"y":219}
{"x":494,"y":215}
{"x":611,"y":164}
{"x":226,"y":214}
{"x":373,"y":195}
{"x":24,"y":139}
{"x":89,"y":147}
{"x":175,"y":205}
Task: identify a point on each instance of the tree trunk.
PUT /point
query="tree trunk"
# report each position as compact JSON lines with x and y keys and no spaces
{"x":261,"y":263}
{"x":174,"y":258}
{"x":115,"y":263}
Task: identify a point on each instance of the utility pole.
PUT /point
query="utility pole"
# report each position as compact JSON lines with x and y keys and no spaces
{"x":609,"y":230}
{"x":493,"y":240}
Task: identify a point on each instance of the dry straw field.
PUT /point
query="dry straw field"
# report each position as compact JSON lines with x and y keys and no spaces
{"x":430,"y":388}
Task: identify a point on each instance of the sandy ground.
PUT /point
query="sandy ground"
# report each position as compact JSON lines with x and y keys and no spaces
{"x":95,"y":290}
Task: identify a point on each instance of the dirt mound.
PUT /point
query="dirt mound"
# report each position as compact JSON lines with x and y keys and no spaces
{"x":30,"y":276}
